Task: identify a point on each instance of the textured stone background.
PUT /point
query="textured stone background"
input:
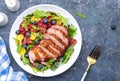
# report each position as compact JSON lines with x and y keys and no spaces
{"x":95,"y":30}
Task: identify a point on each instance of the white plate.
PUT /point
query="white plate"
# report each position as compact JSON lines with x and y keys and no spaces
{"x":53,"y":8}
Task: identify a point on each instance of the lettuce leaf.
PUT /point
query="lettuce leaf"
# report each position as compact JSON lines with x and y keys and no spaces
{"x":40,"y":13}
{"x":64,"y":21}
{"x":72,"y":31}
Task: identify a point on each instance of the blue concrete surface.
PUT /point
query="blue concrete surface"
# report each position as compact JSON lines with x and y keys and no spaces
{"x":95,"y":30}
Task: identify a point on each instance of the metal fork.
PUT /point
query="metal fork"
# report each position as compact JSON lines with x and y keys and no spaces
{"x":92,"y":58}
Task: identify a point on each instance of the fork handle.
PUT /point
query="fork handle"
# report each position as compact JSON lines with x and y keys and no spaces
{"x":84,"y":76}
{"x":86,"y":72}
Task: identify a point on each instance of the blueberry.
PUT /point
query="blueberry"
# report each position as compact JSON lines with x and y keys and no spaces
{"x":54,"y":22}
{"x":24,"y":46}
{"x":68,"y":25}
{"x":27,"y":34}
{"x":17,"y":32}
{"x":45,"y":20}
{"x":35,"y":22}
{"x":39,"y":66}
{"x":26,"y":55}
{"x":113,"y":27}
{"x":37,"y":42}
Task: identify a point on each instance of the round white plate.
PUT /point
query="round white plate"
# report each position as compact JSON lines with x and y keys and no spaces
{"x":62,"y":68}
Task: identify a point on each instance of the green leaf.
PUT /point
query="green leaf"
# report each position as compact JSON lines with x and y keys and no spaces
{"x":19,"y":48}
{"x":25,"y":24}
{"x":56,"y":17}
{"x":72,"y":31}
{"x":61,"y":18}
{"x":53,"y":13}
{"x":27,"y":18}
{"x":39,"y":36}
{"x":25,"y":60}
{"x":30,"y":46}
{"x":36,"y":28}
{"x":80,"y":15}
{"x":51,"y":61}
{"x":40,"y":13}
{"x":53,"y":68}
{"x":16,"y":40}
{"x":44,"y":68}
{"x":68,"y":54}
{"x":64,"y":21}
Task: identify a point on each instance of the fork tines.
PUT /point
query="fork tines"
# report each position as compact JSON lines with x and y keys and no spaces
{"x":95,"y":52}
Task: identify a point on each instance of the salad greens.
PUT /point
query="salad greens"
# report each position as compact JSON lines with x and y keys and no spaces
{"x":27,"y":20}
{"x":68,"y":54}
{"x":35,"y":27}
{"x":19,"y":47}
{"x":25,"y":60}
{"x":40,"y":14}
{"x":60,"y":18}
{"x":51,"y":64}
{"x":72,"y":31}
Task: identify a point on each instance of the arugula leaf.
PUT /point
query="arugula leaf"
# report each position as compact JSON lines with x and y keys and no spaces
{"x":39,"y":36}
{"x":24,"y":60}
{"x":27,"y":20}
{"x":44,"y":68}
{"x":53,"y":68}
{"x":72,"y":31}
{"x":51,"y":61}
{"x":29,"y":46}
{"x":19,"y":48}
{"x":40,"y":13}
{"x":80,"y":15}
